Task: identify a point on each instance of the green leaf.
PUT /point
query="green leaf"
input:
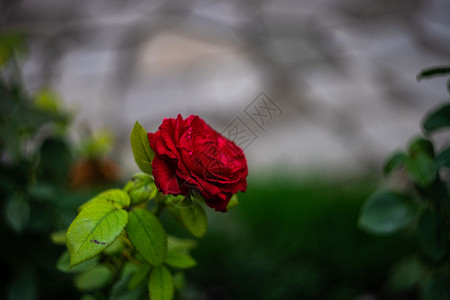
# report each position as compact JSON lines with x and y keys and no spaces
{"x":397,"y":160}
{"x":180,"y":260}
{"x":433,"y":234}
{"x":116,"y":247}
{"x":435,"y":286}
{"x":143,"y":153}
{"x":94,"y":229}
{"x":48,"y":101}
{"x":120,"y":290}
{"x":177,"y":244}
{"x":385,"y":212}
{"x":138,"y":277}
{"x":161,"y":286}
{"x":17,"y":212}
{"x":421,"y":145}
{"x":63,"y":264}
{"x":406,"y":274}
{"x":112,"y":197}
{"x":421,"y":164}
{"x":433,"y":72}
{"x":58,"y":237}
{"x":148,"y":236}
{"x":23,"y":286}
{"x":141,"y":188}
{"x":193,"y":218}
{"x":437,"y":119}
{"x":98,"y":145}
{"x":88,"y":297}
{"x":94,"y":279}
{"x":443,"y":159}
{"x":179,"y":280}
{"x":11,"y":44}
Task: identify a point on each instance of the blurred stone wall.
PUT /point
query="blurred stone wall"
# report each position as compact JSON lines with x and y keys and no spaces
{"x":342,"y":73}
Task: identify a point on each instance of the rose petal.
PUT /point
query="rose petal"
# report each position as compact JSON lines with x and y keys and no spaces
{"x":164,"y":172}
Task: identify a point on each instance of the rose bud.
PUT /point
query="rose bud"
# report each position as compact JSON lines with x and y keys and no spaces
{"x":140,"y":188}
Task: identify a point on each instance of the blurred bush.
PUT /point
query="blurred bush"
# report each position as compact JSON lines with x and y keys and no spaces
{"x":36,"y":199}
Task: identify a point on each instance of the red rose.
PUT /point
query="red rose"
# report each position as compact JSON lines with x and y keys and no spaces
{"x":191,"y":155}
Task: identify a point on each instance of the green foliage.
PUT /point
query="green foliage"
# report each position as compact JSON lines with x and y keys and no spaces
{"x":143,"y":154}
{"x":97,"y":145}
{"x":420,"y":163}
{"x":429,"y":194}
{"x":191,"y":216}
{"x":119,"y":232}
{"x":161,"y":286}
{"x":17,"y":212}
{"x":93,"y":279}
{"x":148,"y":236}
{"x":141,"y":188}
{"x":385,"y":213}
{"x":294,"y":239}
{"x":34,"y":172}
{"x":434,"y":71}
{"x":121,"y":290}
{"x":437,"y":119}
{"x":395,"y":161}
{"x":111,"y":198}
{"x":406,"y":274}
{"x":63,"y":264}
{"x":443,"y":159}
{"x":93,"y":230}
{"x":11,"y":45}
{"x":139,"y":276}
{"x":433,"y":234}
{"x":180,"y":260}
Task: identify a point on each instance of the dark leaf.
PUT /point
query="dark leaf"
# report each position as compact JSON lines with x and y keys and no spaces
{"x":397,"y":160}
{"x":433,"y":72}
{"x":437,"y":119}
{"x":421,"y":164}
{"x":433,"y":234}
{"x":443,"y":159}
{"x":385,"y":212}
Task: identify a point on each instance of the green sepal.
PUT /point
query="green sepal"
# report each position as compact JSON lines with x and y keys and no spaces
{"x":233,"y":202}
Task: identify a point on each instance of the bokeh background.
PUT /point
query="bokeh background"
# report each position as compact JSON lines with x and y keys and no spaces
{"x":342,"y":72}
